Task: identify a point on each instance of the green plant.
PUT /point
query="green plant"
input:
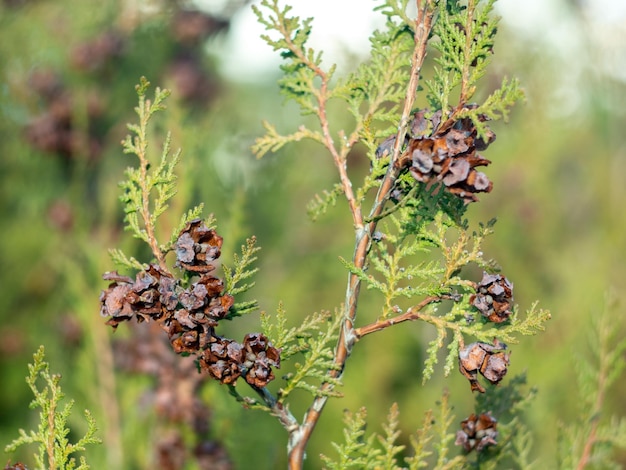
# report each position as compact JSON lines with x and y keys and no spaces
{"x":592,"y":439}
{"x":414,"y":245}
{"x":54,"y":448}
{"x":423,"y":178}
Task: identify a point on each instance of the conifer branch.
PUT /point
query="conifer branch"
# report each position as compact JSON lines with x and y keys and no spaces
{"x":435,"y":147}
{"x":139,"y":145}
{"x":54,"y":448}
{"x":347,"y":338}
{"x":609,"y":364}
{"x":411,"y":314}
{"x":420,"y":441}
{"x":387,"y":460}
{"x":293,"y":38}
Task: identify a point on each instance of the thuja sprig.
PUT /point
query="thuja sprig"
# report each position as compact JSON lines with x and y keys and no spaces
{"x":432,"y":441}
{"x":316,"y":346}
{"x":357,"y":451}
{"x":309,"y":346}
{"x":302,"y":67}
{"x":185,"y":298}
{"x":465,"y":44}
{"x":514,"y":441}
{"x":382,"y":450}
{"x":141,"y":209}
{"x":424,"y":175}
{"x":234,"y":277}
{"x":146,"y":191}
{"x":592,"y":439}
{"x":54,"y":448}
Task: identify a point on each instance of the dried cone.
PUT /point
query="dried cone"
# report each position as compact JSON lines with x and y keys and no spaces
{"x":477,"y":432}
{"x":197,"y":247}
{"x":222,"y":360}
{"x":490,"y":360}
{"x":449,"y":156}
{"x":189,"y":315}
{"x":493,"y":298}
{"x":15,"y":466}
{"x":260,"y":357}
{"x":444,"y":153}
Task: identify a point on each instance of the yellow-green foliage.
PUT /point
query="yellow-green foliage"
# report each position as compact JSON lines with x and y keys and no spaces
{"x":54,"y":449}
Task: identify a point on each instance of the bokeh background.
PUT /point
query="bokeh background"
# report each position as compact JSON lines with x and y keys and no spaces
{"x":67,"y":76}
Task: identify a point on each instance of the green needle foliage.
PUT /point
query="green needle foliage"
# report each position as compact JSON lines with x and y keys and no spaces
{"x":413,"y":244}
{"x":55,"y":451}
{"x":382,"y":451}
{"x":146,"y":191}
{"x":357,"y":451}
{"x":591,"y":440}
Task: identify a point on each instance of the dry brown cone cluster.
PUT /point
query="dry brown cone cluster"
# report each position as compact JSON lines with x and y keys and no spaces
{"x":15,"y":466}
{"x":53,"y":129}
{"x":445,"y":153}
{"x":493,"y":298}
{"x":190,"y":314}
{"x":477,"y":432}
{"x":489,"y":360}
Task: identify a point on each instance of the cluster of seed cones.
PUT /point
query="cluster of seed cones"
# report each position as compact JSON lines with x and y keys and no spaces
{"x":489,"y":360}
{"x":189,"y":314}
{"x":493,"y":298}
{"x":445,"y":153}
{"x":477,"y":432}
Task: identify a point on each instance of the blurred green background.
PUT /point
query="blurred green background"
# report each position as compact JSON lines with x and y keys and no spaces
{"x":67,"y":76}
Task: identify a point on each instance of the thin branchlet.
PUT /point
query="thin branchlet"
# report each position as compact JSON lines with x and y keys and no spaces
{"x":363,"y":240}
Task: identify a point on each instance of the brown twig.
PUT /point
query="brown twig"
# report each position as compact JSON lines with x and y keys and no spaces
{"x":322,"y":98}
{"x":411,"y":314}
{"x":289,"y":422}
{"x":591,"y":438}
{"x":144,"y":164}
{"x":300,"y":436}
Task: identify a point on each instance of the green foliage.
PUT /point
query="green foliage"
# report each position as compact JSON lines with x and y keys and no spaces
{"x":273,"y":141}
{"x":390,"y":449}
{"x":241,"y":271}
{"x":591,"y":440}
{"x":357,"y":451}
{"x":510,"y":403}
{"x":320,"y":204}
{"x":138,"y":186}
{"x":146,"y":194}
{"x":395,"y":271}
{"x":420,"y":246}
{"x":465,"y":45}
{"x":423,"y":249}
{"x":372,"y":94}
{"x":381,"y":451}
{"x":433,"y":439}
{"x":146,"y":191}
{"x":396,"y":8}
{"x":301,"y":69}
{"x":54,"y":448}
{"x":443,"y":435}
{"x":312,"y":343}
{"x":420,"y":442}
